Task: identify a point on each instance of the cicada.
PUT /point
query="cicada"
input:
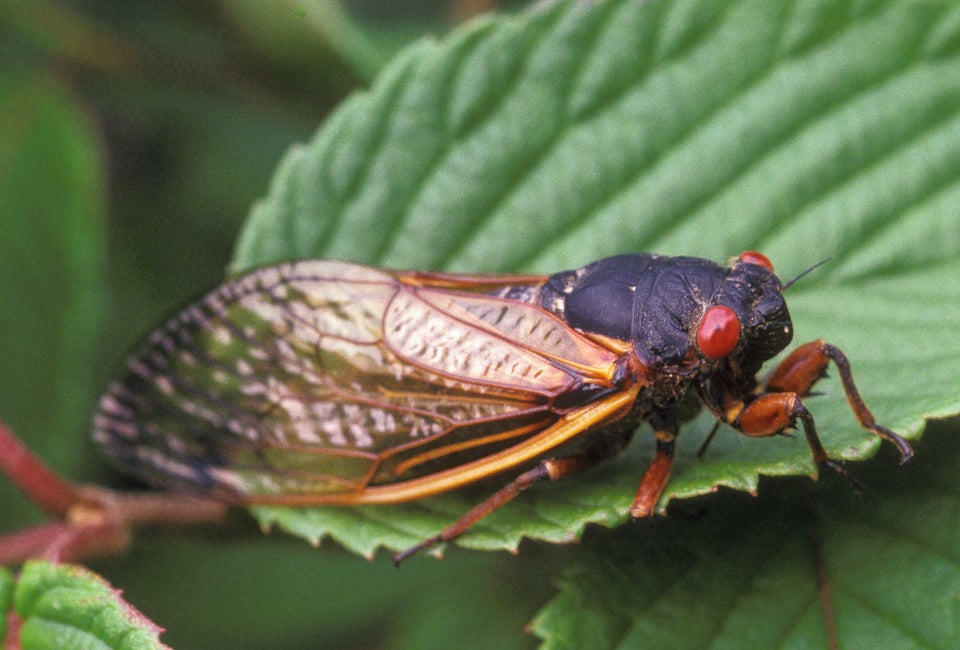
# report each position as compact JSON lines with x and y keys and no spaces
{"x":329,"y":383}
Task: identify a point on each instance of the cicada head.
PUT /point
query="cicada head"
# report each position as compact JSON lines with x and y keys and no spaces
{"x":747,"y":321}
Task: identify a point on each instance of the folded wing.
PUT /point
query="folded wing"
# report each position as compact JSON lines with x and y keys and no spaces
{"x":324,"y":378}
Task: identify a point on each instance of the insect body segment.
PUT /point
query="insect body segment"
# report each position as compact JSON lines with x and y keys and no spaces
{"x":327,"y":383}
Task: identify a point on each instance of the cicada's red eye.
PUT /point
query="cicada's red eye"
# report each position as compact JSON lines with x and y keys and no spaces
{"x":718,"y":332}
{"x":753,"y":257}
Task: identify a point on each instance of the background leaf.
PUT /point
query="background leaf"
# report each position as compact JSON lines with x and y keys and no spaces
{"x":741,"y":572}
{"x":50,"y":192}
{"x":65,"y":606}
{"x":6,"y":599}
{"x":51,"y":249}
{"x":616,"y":127}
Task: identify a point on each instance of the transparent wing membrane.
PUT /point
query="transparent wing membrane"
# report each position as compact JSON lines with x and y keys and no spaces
{"x":324,"y":378}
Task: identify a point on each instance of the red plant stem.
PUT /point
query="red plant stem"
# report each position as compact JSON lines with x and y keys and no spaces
{"x":54,"y":495}
{"x":29,"y":542}
{"x":12,"y":641}
{"x":102,"y":522}
{"x":87,"y":520}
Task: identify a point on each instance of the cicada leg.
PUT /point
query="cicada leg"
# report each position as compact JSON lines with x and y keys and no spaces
{"x":780,"y":405}
{"x":655,"y":479}
{"x":805,"y":365}
{"x":607,"y":444}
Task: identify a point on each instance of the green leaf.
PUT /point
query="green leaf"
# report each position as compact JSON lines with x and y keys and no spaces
{"x":63,"y":606}
{"x":6,"y":600}
{"x":745,"y":573}
{"x":576,"y":131}
{"x":52,"y":255}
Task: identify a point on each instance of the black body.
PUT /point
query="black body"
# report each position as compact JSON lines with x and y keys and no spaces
{"x":656,"y":303}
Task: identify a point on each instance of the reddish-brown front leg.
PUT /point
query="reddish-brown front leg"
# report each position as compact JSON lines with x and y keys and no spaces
{"x":780,"y":406}
{"x":651,"y":487}
{"x":805,"y":365}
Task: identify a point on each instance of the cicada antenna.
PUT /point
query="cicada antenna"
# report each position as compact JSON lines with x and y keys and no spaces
{"x":803,"y":273}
